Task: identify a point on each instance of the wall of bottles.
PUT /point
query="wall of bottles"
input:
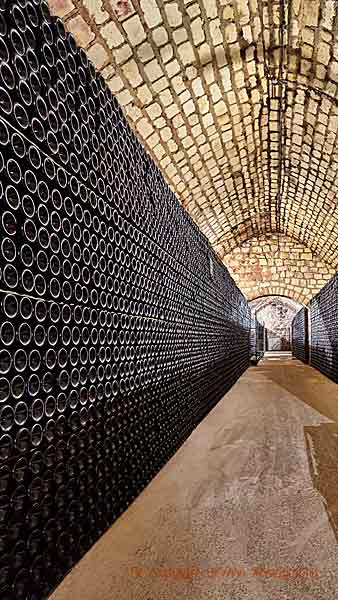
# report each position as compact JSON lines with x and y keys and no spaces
{"x":252,"y":341}
{"x":119,"y":328}
{"x":324,"y":330}
{"x":257,"y":338}
{"x":300,"y":335}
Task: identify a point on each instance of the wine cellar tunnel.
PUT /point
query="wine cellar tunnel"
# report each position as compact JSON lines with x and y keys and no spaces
{"x":168,"y":297}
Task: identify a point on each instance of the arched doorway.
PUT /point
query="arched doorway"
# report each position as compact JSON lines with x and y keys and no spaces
{"x":276,"y":313}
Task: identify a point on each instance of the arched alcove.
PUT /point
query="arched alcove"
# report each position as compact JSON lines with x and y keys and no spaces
{"x":276,"y":313}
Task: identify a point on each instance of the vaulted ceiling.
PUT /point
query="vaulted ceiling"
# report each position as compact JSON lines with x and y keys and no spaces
{"x":237,"y":102}
{"x":261,"y":303}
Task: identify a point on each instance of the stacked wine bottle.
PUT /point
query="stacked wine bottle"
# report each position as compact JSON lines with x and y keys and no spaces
{"x":119,"y":330}
{"x":324,"y":330}
{"x":257,"y":334}
{"x":300,"y":335}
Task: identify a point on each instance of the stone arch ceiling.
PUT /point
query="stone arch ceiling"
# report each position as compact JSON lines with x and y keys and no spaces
{"x":271,"y":264}
{"x":260,"y":303}
{"x":237,"y":102}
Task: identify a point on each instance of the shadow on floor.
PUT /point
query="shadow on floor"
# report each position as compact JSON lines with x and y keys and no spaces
{"x":317,"y":391}
{"x":306,"y":383}
{"x":322,"y":451}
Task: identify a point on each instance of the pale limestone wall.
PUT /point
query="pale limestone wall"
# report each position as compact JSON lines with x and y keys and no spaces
{"x":197,"y":80}
{"x":271,"y":265}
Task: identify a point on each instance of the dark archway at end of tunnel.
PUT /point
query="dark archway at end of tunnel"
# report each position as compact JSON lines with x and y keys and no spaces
{"x":276,"y":314}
